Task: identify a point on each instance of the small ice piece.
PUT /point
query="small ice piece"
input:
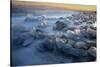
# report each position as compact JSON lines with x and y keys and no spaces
{"x":77,"y":31}
{"x":59,"y":34}
{"x":44,"y":21}
{"x":95,"y":24}
{"x":29,"y":17}
{"x":27,"y":42}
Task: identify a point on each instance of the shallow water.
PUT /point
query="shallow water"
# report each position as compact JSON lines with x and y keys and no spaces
{"x":30,"y":55}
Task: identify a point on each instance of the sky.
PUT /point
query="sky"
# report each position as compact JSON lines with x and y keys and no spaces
{"x":90,"y":2}
{"x":65,"y":5}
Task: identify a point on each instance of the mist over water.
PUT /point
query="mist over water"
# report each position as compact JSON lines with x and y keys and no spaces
{"x":29,"y":49}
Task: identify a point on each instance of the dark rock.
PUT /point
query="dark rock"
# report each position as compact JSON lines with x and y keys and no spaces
{"x":70,"y":35}
{"x":49,"y":44}
{"x":60,"y":43}
{"x":71,"y":28}
{"x":93,"y":27}
{"x":76,"y":23}
{"x":81,"y":45}
{"x":61,"y":18}
{"x":74,"y":52}
{"x":53,"y":44}
{"x":71,"y":42}
{"x":92,"y":51}
{"x":60,"y":25}
{"x":65,"y":29}
{"x":91,"y":33}
{"x":38,"y":33}
{"x":91,"y":43}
